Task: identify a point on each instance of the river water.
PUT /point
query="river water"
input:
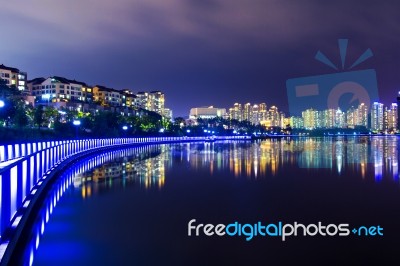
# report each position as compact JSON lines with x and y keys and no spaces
{"x":135,"y":206}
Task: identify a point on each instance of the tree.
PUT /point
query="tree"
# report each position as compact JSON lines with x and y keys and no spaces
{"x":50,"y":115}
{"x":20,"y":117}
{"x":38,"y":116}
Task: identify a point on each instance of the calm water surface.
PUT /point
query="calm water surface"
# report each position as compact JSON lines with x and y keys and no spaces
{"x":134,"y":209}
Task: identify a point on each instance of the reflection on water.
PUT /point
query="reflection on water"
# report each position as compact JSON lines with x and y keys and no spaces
{"x":267,"y":157}
{"x":185,"y":168}
{"x":142,"y":165}
{"x":145,"y":168}
{"x":250,"y":159}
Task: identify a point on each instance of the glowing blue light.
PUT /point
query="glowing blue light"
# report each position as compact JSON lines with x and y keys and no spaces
{"x":2,"y":103}
{"x":76,"y":122}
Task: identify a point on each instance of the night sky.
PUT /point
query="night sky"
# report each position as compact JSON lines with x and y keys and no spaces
{"x":199,"y":52}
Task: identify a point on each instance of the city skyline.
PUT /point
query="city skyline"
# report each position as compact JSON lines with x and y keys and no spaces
{"x":62,"y":92}
{"x":225,"y":50}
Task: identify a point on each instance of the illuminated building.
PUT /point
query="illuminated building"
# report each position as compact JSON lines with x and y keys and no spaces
{"x":340,"y":120}
{"x":309,"y":118}
{"x":156,"y":102}
{"x":377,"y":116}
{"x":393,"y":118}
{"x":206,"y":112}
{"x":236,"y":112}
{"x":107,"y":96}
{"x":152,"y":101}
{"x":398,"y":111}
{"x":328,"y":118}
{"x":129,"y":99}
{"x":318,"y":119}
{"x":273,"y":116}
{"x":56,"y":89}
{"x":247,"y":111}
{"x":143,"y":100}
{"x":167,"y":114}
{"x":262,"y":112}
{"x":351,"y":116}
{"x":13,"y":77}
{"x":362,"y":115}
{"x":254,"y":115}
{"x":296,"y":122}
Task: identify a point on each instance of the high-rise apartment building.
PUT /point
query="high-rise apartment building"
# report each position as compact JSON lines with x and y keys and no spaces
{"x":247,"y":112}
{"x":236,"y":112}
{"x":309,"y":118}
{"x":377,"y":117}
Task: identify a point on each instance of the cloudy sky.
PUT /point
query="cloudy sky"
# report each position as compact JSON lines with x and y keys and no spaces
{"x":199,"y":52}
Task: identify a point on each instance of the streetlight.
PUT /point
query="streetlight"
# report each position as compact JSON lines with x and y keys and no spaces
{"x":76,"y":123}
{"x":124,"y":128}
{"x":2,"y":103}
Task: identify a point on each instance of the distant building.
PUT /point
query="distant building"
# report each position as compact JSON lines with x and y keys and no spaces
{"x":56,"y":89}
{"x":167,"y":114}
{"x":340,"y":119}
{"x":236,"y":112}
{"x":398,"y":111}
{"x":377,"y":117}
{"x":296,"y":122}
{"x":14,"y":77}
{"x":107,"y":96}
{"x":273,"y":116}
{"x":390,"y":118}
{"x":254,"y":118}
{"x":309,"y":116}
{"x":328,"y":118}
{"x":129,"y":99}
{"x":206,"y":112}
{"x":262,"y":112}
{"x":247,"y":112}
{"x":143,"y":100}
{"x":156,"y":102}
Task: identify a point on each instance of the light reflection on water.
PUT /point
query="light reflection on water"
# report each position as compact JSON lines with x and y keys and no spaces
{"x":266,"y":158}
{"x":104,"y":167}
{"x":375,"y":158}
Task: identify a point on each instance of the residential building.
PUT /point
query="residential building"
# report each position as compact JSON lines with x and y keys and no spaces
{"x":236,"y":112}
{"x":156,"y":102}
{"x":296,"y":122}
{"x":14,"y":77}
{"x":107,"y":96}
{"x":377,"y":117}
{"x":247,"y":112}
{"x":59,"y":89}
{"x":309,"y":118}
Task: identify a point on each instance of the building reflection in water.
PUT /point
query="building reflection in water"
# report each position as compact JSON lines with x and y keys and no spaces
{"x":377,"y":156}
{"x":145,"y":168}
